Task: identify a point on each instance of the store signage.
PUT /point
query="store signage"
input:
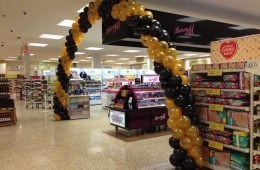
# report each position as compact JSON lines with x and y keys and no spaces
{"x":114,"y":28}
{"x":216,"y":145}
{"x":93,"y":71}
{"x":216,"y":107}
{"x":151,"y":79}
{"x":213,"y":92}
{"x":128,"y":72}
{"x":187,"y":31}
{"x":215,"y":73}
{"x":111,"y":71}
{"x":160,"y":117}
{"x":25,"y":50}
{"x":228,"y":49}
{"x":216,"y":126}
{"x":117,"y":118}
{"x":253,"y":65}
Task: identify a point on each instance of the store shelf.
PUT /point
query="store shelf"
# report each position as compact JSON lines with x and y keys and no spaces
{"x":154,"y":91}
{"x":78,"y":96}
{"x":226,"y":106}
{"x":255,"y":117}
{"x":141,"y":107}
{"x":233,"y":147}
{"x":230,"y":127}
{"x":223,"y":71}
{"x":256,"y":89}
{"x":256,"y":135}
{"x":157,"y":98}
{"x":256,"y":103}
{"x":256,"y":166}
{"x":225,"y":90}
{"x":215,"y":167}
{"x":255,"y":152}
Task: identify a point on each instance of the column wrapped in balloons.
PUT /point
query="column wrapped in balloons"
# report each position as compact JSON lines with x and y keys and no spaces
{"x":183,"y":120}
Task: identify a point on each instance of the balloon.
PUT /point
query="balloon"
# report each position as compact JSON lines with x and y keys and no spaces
{"x":171,"y":45}
{"x":175,"y":80}
{"x":171,"y":123}
{"x":137,"y":30}
{"x":190,"y":99}
{"x":158,"y":68}
{"x":178,"y":69}
{"x":159,"y":57}
{"x":164,"y":36}
{"x":174,"y":113}
{"x":57,"y":117}
{"x":115,"y":14}
{"x":147,"y":20}
{"x":131,"y":2}
{"x":185,"y":79}
{"x":138,"y":9}
{"x":130,"y":10}
{"x":165,"y":85}
{"x":137,"y":19}
{"x":168,"y":61}
{"x":195,"y":121}
{"x":199,"y":162}
{"x":153,"y":41}
{"x":147,"y":13}
{"x":178,"y":168}
{"x":162,"y":46}
{"x":151,"y":52}
{"x":170,"y":93}
{"x":165,"y":74}
{"x":174,"y":143}
{"x":179,"y":100}
{"x":195,"y":152}
{"x":184,"y":122}
{"x":155,"y":31}
{"x":174,"y":160}
{"x":169,"y":103}
{"x":192,"y":132}
{"x":189,"y":110}
{"x":145,"y":29}
{"x":197,"y":141}
{"x":185,"y":89}
{"x":122,"y":4}
{"x":186,"y":143}
{"x":122,"y":16}
{"x":145,"y":39}
{"x":177,"y":133}
{"x":179,"y":61}
{"x":188,"y":163}
{"x":156,"y":23}
{"x":179,"y":153}
{"x":172,"y":52}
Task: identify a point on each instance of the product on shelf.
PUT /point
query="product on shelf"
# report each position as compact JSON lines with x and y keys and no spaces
{"x":241,"y":102}
{"x":202,"y":112}
{"x":220,"y":158}
{"x":78,"y":107}
{"x":239,"y":161}
{"x":238,"y":118}
{"x":218,"y":116}
{"x":241,"y":139}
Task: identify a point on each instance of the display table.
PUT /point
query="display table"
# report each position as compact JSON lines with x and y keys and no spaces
{"x":108,"y":97}
{"x":78,"y":107}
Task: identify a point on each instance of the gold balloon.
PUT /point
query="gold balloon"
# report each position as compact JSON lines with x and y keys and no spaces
{"x":115,"y":14}
{"x":186,"y":143}
{"x":122,"y":16}
{"x":184,"y":122}
{"x":115,"y":7}
{"x":168,"y":61}
{"x":56,"y":117}
{"x":178,"y":69}
{"x":147,"y":13}
{"x":197,"y":141}
{"x":179,"y":61}
{"x":159,"y":57}
{"x":151,"y":53}
{"x":131,"y":2}
{"x":177,"y":133}
{"x":139,"y":9}
{"x":169,"y":103}
{"x":172,"y":52}
{"x":145,"y":39}
{"x":162,"y":46}
{"x":122,"y":4}
{"x":185,"y":79}
{"x":199,"y":162}
{"x":153,"y":42}
{"x":130,"y":10}
{"x":175,"y":113}
{"x":193,"y":132}
{"x":195,"y":152}
{"x":171,"y":123}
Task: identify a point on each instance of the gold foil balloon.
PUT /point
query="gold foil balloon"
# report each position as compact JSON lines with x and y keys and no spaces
{"x":171,"y":123}
{"x":122,"y":16}
{"x":153,"y":42}
{"x":159,"y":57}
{"x":151,"y":53}
{"x":162,"y":46}
{"x":115,"y":14}
{"x":57,"y":117}
{"x":177,"y":133}
{"x":168,"y":61}
{"x":195,"y":152}
{"x":145,"y":39}
{"x":192,"y":132}
{"x":175,"y":113}
{"x":179,"y":61}
{"x":122,"y":4}
{"x":186,"y":143}
{"x":199,"y":162}
{"x":147,"y":13}
{"x":169,"y":103}
{"x":131,"y":2}
{"x":197,"y":141}
{"x":172,"y":52}
{"x":184,"y":122}
{"x":178,"y":69}
{"x":139,"y":9}
{"x":130,"y":10}
{"x":185,"y":79}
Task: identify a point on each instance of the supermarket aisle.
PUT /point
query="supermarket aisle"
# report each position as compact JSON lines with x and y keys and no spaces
{"x":38,"y":142}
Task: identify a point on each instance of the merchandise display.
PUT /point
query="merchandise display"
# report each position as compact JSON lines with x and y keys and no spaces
{"x":78,"y":107}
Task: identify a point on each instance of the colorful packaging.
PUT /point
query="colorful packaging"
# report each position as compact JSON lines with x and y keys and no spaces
{"x":244,"y":80}
{"x":199,"y":93}
{"x":208,"y":100}
{"x":206,"y":84}
{"x":219,"y":117}
{"x":232,"y":65}
{"x":198,"y":99}
{"x":196,"y":77}
{"x":205,"y":153}
{"x":218,"y":85}
{"x":221,"y":101}
{"x":195,"y":84}
{"x":230,"y":78}
{"x":197,"y":67}
{"x":223,"y":66}
{"x":224,"y":94}
{"x":242,"y":159}
{"x":208,"y":67}
{"x":242,"y":102}
{"x":238,"y":118}
{"x":231,"y":85}
{"x":241,"y":139}
{"x":215,"y":66}
{"x":237,"y":95}
{"x":202,"y":112}
{"x":235,"y":166}
{"x":241,"y":65}
{"x":219,"y":158}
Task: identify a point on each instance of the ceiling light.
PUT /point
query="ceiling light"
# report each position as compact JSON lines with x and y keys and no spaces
{"x":190,"y":54}
{"x":46,"y":61}
{"x":75,"y":61}
{"x":32,"y":54}
{"x":119,"y":63}
{"x":94,"y":48}
{"x":84,"y":60}
{"x":37,"y":44}
{"x":82,"y":9}
{"x":123,"y":59}
{"x":109,"y":61}
{"x":12,"y":57}
{"x":51,"y":36}
{"x":54,"y":59}
{"x":66,"y":23}
{"x":144,"y":56}
{"x":239,"y":28}
{"x":80,"y":53}
{"x":112,"y":55}
{"x":132,"y":51}
{"x":89,"y":57}
{"x":189,"y":19}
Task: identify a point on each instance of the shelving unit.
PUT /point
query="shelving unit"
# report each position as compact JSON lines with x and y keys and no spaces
{"x":230,"y":127}
{"x":225,"y":90}
{"x":225,"y":106}
{"x":215,"y":167}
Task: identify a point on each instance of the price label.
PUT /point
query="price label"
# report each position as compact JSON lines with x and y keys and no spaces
{"x":216,"y":107}
{"x":216,"y":145}
{"x":217,"y":126}
{"x":213,"y":92}
{"x":215,"y":73}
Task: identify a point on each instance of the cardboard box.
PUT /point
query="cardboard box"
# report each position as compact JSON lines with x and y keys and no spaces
{"x":203,"y":113}
{"x":220,"y":158}
{"x":238,"y":118}
{"x":205,"y":153}
{"x":219,"y":117}
{"x":236,"y":49}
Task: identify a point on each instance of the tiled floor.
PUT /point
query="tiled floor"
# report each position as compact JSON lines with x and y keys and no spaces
{"x":39,"y":142}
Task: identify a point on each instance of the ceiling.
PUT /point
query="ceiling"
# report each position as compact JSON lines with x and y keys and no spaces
{"x":43,"y":16}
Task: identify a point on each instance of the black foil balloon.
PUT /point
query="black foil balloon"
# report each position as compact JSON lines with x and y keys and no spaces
{"x":175,"y":81}
{"x":185,"y":89}
{"x":174,"y":143}
{"x":174,"y":160}
{"x":69,"y":38}
{"x":86,"y":9}
{"x":165,"y":85}
{"x":170,"y":93}
{"x":155,"y":31}
{"x":145,"y":29}
{"x":158,"y":68}
{"x":147,"y":20}
{"x":189,"y":110}
{"x":156,"y":64}
{"x":180,"y":153}
{"x":195,"y":121}
{"x":190,"y":99}
{"x":179,"y":100}
{"x":165,"y":74}
{"x":188,"y":163}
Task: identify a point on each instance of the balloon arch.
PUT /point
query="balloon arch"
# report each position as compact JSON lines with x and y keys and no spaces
{"x":183,"y":120}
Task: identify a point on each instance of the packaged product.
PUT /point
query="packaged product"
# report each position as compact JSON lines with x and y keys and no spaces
{"x":224,"y":94}
{"x":208,"y":67}
{"x":235,"y":166}
{"x":221,"y":139}
{"x":221,"y":101}
{"x":205,"y":153}
{"x":195,"y":84}
{"x":197,"y":67}
{"x":237,"y":95}
{"x":208,"y":100}
{"x":199,"y":93}
{"x":198,"y":99}
{"x":202,"y":112}
{"x":257,"y":81}
{"x":230,"y":77}
{"x":206,"y":84}
{"x":219,"y":158}
{"x":242,"y":159}
{"x":223,"y":66}
{"x":215,"y":66}
{"x":241,"y":65}
{"x":218,"y":85}
{"x":232,"y":65}
{"x":244,"y":80}
{"x":241,"y":139}
{"x":237,"y":102}
{"x":238,"y":118}
{"x":231,"y":85}
{"x":216,"y":116}
{"x":196,"y":77}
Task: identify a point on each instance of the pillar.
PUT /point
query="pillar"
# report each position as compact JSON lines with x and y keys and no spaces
{"x":96,"y":62}
{"x":149,"y":64}
{"x":27,"y":66}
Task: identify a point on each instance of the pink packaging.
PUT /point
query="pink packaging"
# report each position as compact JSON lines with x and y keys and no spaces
{"x":206,"y":84}
{"x":240,"y":102}
{"x":208,"y":100}
{"x":196,"y":77}
{"x":202,"y":112}
{"x":219,"y":117}
{"x":238,"y":118}
{"x":231,"y":85}
{"x":221,"y":101}
{"x":208,"y":67}
{"x":237,"y":95}
{"x":241,"y":65}
{"x":218,"y":85}
{"x":198,"y":99}
{"x":215,"y":66}
{"x":223,"y":65}
{"x":244,"y":80}
{"x":232,"y":65}
{"x":230,"y":78}
{"x":195,"y":84}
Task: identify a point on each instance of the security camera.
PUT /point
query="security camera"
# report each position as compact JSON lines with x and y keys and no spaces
{"x":24,"y":12}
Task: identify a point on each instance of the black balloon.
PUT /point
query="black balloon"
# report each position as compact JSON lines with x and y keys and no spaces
{"x":174,"y":160}
{"x":174,"y":143}
{"x":147,"y":20}
{"x":165,"y":74}
{"x":189,"y":110}
{"x":189,"y":163}
{"x":158,"y":68}
{"x":137,"y":20}
{"x":137,"y":30}
{"x":170,"y":93}
{"x":155,"y":31}
{"x":195,"y":121}
{"x":156,"y":64}
{"x":175,"y":81}
{"x":171,"y":45}
{"x":190,"y":99}
{"x":180,"y":153}
{"x":165,"y":85}
{"x":156,"y":23}
{"x":179,"y":168}
{"x":86,"y":9}
{"x":69,"y":38}
{"x":179,"y":100}
{"x":185,"y":89}
{"x":145,"y":29}
{"x":164,"y":36}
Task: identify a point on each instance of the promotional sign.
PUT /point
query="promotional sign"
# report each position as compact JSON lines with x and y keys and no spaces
{"x":236,"y":49}
{"x":150,"y":79}
{"x":117,"y":118}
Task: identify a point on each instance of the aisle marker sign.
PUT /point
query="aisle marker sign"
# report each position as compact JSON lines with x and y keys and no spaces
{"x":216,"y":145}
{"x":215,"y":73}
{"x":216,"y":107}
{"x":216,"y":126}
{"x":213,"y":92}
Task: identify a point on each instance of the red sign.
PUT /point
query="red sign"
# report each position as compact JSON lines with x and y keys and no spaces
{"x":228,"y":49}
{"x":114,"y":28}
{"x":187,"y":31}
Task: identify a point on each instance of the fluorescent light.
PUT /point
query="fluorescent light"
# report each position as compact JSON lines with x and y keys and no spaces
{"x":181,"y":58}
{"x":75,"y":61}
{"x":89,"y":57}
{"x":190,"y":54}
{"x":37,"y":44}
{"x":51,"y":36}
{"x":66,"y":23}
{"x":239,"y":28}
{"x":109,"y":61}
{"x":94,"y":48}
{"x":54,"y":59}
{"x":12,"y":57}
{"x":144,"y":56}
{"x":46,"y":61}
{"x":123,"y":59}
{"x":32,"y":54}
{"x":82,"y":9}
{"x":112,"y":55}
{"x":132,"y":51}
{"x":189,"y":19}
{"x":119,"y":63}
{"x":84,"y":60}
{"x":80,"y":53}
